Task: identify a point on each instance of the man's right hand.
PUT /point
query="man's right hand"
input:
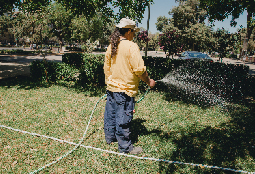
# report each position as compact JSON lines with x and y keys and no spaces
{"x":147,"y":80}
{"x":152,"y":83}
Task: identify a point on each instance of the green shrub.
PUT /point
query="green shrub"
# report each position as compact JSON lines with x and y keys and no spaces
{"x":158,"y":68}
{"x":100,"y":49}
{"x":92,"y":73}
{"x":43,"y":70}
{"x":52,"y":71}
{"x":66,"y":72}
{"x":227,"y":80}
{"x":90,"y":67}
{"x":73,"y":59}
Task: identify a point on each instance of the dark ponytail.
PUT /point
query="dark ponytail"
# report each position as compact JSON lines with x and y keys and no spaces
{"x":115,"y":39}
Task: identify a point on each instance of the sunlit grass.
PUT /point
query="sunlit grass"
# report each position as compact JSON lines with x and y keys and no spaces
{"x":164,"y":128}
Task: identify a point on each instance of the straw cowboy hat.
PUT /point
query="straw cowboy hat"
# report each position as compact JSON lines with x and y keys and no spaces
{"x":127,"y":23}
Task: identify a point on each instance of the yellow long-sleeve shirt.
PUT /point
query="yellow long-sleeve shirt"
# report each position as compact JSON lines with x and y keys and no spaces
{"x":122,"y":70}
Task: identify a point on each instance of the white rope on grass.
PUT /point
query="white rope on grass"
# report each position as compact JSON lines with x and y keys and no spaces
{"x":76,"y":145}
{"x":123,"y":154}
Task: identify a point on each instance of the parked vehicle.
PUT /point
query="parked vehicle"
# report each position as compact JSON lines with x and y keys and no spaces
{"x":195,"y":55}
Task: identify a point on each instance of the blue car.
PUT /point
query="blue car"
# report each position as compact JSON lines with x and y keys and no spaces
{"x":195,"y":55}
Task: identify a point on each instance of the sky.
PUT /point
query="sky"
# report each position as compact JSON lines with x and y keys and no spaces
{"x":162,"y":7}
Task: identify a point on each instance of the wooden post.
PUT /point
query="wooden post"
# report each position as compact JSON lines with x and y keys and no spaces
{"x":146,"y":49}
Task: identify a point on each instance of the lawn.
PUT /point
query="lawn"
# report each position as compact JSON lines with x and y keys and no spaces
{"x":164,"y":127}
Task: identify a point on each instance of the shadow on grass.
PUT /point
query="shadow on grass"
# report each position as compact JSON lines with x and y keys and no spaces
{"x":26,"y":82}
{"x":230,"y":145}
{"x":22,"y":82}
{"x":138,"y":129}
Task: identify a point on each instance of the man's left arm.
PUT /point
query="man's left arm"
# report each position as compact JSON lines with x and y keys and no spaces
{"x":107,"y":64}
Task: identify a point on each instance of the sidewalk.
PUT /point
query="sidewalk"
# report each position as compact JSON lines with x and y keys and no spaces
{"x":238,"y":62}
{"x":17,"y":65}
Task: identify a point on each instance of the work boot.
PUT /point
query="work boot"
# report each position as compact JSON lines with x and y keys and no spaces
{"x":112,"y":142}
{"x":136,"y":150}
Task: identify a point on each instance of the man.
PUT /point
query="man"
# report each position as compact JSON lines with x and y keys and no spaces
{"x":123,"y":68}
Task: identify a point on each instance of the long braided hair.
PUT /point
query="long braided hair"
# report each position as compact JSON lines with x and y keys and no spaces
{"x":115,"y":39}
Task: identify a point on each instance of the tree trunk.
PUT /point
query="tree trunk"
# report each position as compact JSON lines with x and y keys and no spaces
{"x":249,"y":30}
{"x":41,"y":38}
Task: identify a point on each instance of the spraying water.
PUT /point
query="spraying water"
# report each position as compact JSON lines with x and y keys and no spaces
{"x":190,"y":84}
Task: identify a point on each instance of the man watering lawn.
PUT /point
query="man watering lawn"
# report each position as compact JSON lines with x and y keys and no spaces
{"x":123,"y":68}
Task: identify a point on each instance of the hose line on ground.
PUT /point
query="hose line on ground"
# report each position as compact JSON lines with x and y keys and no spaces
{"x":48,"y":165}
{"x":84,"y":134}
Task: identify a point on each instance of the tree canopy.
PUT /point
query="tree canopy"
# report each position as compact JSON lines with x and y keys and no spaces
{"x":134,"y":9}
{"x":220,"y":10}
{"x":55,"y":24}
{"x":187,"y":23}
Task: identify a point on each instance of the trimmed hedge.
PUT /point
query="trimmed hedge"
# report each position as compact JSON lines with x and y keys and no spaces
{"x":73,"y":59}
{"x":43,"y":71}
{"x":52,"y":71}
{"x":226,"y":80}
{"x":85,"y":69}
{"x":92,"y":72}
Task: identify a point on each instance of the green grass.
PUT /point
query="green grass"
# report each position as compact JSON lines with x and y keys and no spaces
{"x":164,"y":127}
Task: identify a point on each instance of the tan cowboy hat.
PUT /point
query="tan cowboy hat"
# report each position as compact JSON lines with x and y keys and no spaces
{"x":127,"y":23}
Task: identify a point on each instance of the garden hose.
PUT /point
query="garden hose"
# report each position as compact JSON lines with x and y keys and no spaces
{"x":69,"y":152}
{"x":146,"y":93}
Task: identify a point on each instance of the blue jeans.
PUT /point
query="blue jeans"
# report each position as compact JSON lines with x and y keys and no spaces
{"x":117,"y":119}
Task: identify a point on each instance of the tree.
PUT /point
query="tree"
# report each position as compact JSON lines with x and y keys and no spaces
{"x":187,"y":13}
{"x":188,"y":20}
{"x":80,"y":29}
{"x":223,"y":39}
{"x":171,"y":42}
{"x":107,"y":31}
{"x":144,"y":36}
{"x":219,"y":10}
{"x":25,"y":5}
{"x":246,"y":45}
{"x":100,"y":31}
{"x":131,"y":8}
{"x":141,"y":38}
{"x":162,"y":21}
{"x":19,"y":26}
{"x":59,"y":20}
{"x":154,"y":40}
{"x":32,"y":26}
{"x":93,"y":30}
{"x":5,"y":24}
